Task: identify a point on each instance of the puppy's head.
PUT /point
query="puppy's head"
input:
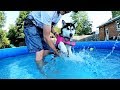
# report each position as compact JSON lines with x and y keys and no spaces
{"x":68,"y":29}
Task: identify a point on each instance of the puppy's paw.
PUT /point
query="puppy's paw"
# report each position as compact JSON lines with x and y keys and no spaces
{"x":64,"y":54}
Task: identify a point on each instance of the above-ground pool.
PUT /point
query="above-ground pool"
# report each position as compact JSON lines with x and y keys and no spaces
{"x":90,"y":60}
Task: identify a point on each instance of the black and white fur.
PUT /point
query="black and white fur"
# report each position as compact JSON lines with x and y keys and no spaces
{"x":67,"y":31}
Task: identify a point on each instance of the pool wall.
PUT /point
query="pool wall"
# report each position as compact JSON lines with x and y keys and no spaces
{"x":8,"y":52}
{"x":98,"y":45}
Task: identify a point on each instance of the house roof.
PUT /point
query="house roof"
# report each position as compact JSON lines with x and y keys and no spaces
{"x":109,"y":21}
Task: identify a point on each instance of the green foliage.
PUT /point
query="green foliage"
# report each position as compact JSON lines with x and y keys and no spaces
{"x":16,"y":34}
{"x":83,"y":25}
{"x":20,"y":22}
{"x":12,"y":33}
{"x":2,"y":18}
{"x":57,"y":29}
{"x":4,"y":42}
{"x":115,"y":13}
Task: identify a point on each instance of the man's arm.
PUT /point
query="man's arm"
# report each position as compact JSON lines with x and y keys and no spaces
{"x":46,"y":34}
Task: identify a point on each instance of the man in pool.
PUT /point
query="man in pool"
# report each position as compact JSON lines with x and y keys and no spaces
{"x":37,"y":28}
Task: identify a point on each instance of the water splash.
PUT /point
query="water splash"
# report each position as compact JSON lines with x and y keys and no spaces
{"x":113,"y":48}
{"x":82,"y":65}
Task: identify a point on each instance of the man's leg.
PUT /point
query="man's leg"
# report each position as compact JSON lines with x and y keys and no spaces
{"x":46,"y":52}
{"x":34,"y":44}
{"x":39,"y":59}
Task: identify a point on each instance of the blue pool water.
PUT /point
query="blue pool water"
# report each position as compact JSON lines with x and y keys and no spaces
{"x":84,"y":64}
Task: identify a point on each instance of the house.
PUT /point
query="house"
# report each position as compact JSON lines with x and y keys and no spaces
{"x":110,"y":30}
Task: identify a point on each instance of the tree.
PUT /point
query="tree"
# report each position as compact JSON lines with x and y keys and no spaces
{"x":20,"y":22}
{"x":2,"y":18}
{"x":15,"y":34}
{"x":4,"y":42}
{"x":57,"y":29}
{"x":12,"y":34}
{"x":83,"y":25}
{"x":115,"y":13}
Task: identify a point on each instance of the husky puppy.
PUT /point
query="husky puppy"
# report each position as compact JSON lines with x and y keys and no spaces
{"x":64,"y":39}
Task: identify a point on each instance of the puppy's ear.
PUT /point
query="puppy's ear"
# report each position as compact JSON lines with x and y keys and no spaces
{"x":75,"y":23}
{"x":63,"y":23}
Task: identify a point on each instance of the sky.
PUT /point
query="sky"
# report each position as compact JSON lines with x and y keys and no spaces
{"x":10,"y":18}
{"x":97,"y":17}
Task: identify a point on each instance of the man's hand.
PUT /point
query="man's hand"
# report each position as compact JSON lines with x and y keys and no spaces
{"x":56,"y":53}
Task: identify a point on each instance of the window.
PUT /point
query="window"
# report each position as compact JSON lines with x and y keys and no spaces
{"x":118,"y":25}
